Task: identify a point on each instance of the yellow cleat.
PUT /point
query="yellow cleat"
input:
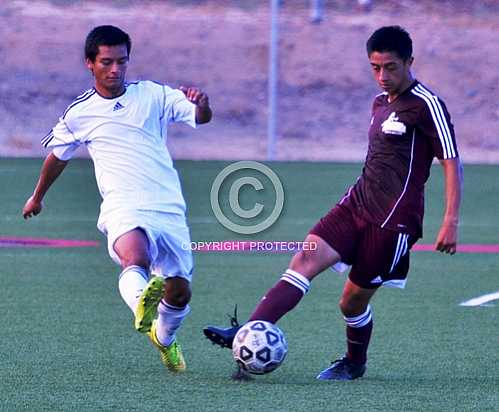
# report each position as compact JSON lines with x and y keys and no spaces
{"x":147,"y":309}
{"x":171,"y":356}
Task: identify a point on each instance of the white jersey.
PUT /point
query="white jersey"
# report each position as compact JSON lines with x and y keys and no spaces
{"x":126,"y":139}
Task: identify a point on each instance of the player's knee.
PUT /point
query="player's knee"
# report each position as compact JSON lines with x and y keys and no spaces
{"x":346,"y":307}
{"x":178,"y":293}
{"x":179,"y":298}
{"x":351,"y":305}
{"x":305,"y":263}
{"x":313,"y":260}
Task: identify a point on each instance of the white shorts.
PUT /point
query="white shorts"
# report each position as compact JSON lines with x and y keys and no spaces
{"x":168,"y":236}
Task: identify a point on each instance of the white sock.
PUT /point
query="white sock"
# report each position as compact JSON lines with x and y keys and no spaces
{"x":132,"y":282}
{"x":360,"y":320}
{"x":296,"y":279}
{"x":169,"y":320}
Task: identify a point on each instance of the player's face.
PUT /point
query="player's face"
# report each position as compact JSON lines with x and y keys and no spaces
{"x":391,"y":73}
{"x":109,"y":69}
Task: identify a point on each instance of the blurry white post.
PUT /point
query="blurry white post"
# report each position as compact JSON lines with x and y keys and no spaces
{"x":273,"y":79}
{"x":317,"y":11}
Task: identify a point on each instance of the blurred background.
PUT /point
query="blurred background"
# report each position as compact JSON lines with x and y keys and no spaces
{"x":325,"y":88}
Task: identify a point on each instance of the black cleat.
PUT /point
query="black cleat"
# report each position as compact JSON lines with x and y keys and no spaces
{"x":223,"y":336}
{"x":342,"y":370}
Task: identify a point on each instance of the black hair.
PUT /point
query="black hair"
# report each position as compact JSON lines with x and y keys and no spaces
{"x":105,"y":36}
{"x":390,"y":39}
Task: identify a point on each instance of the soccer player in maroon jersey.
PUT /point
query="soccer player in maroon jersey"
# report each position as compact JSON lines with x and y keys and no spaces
{"x":373,"y":227}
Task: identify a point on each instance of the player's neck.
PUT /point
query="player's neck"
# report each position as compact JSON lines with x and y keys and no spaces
{"x":109,"y":93}
{"x":403,"y":87}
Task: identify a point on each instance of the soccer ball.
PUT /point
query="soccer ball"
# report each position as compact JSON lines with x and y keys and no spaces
{"x":259,"y":347}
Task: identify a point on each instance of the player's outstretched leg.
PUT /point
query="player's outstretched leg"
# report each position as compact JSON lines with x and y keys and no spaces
{"x":287,"y":292}
{"x":147,"y":307}
{"x":278,"y":301}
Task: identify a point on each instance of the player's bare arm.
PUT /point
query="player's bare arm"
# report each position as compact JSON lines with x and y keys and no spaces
{"x":51,"y":169}
{"x":447,"y":236}
{"x":202,"y":102}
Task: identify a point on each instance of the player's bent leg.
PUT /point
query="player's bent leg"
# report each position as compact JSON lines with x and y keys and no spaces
{"x":133,"y":249}
{"x":172,"y":309}
{"x":355,"y":299}
{"x":354,"y":304}
{"x":287,"y":292}
{"x":141,"y":296}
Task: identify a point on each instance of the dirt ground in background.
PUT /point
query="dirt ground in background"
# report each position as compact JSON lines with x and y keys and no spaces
{"x":222,"y":46}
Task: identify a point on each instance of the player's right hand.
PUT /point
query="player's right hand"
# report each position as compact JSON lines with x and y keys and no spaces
{"x":32,"y":208}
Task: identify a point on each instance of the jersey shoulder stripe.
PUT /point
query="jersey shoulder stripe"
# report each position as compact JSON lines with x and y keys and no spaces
{"x":439,"y":120}
{"x":47,"y":138}
{"x":449,"y":144}
{"x":81,"y":98}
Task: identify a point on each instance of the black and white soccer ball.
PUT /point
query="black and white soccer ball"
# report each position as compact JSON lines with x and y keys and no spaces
{"x":259,"y":347}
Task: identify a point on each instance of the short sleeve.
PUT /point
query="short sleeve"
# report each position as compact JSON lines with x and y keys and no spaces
{"x":177,"y":109}
{"x":62,"y":140}
{"x":61,"y":134}
{"x":435,"y":123}
{"x":65,"y":152}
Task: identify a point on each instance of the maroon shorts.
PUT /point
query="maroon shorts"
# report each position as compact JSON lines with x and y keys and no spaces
{"x":377,"y":256}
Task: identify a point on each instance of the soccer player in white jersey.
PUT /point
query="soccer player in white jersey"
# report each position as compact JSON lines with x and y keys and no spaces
{"x":124,"y":127}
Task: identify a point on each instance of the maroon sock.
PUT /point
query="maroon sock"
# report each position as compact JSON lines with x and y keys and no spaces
{"x":279,"y":300}
{"x":358,"y":341}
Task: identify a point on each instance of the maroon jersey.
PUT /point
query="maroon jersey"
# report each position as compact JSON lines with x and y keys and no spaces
{"x":404,"y":137}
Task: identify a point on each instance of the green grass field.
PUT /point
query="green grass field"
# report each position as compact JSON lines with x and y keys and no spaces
{"x":68,"y":343}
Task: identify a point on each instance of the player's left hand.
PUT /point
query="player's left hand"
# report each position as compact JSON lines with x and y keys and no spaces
{"x":196,"y":96}
{"x":447,"y":238}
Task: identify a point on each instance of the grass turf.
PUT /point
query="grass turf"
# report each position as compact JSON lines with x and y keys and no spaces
{"x":68,"y":340}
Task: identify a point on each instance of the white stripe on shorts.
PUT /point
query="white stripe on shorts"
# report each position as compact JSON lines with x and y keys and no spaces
{"x":400,"y":250}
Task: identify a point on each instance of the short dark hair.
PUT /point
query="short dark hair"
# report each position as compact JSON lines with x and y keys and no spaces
{"x":390,"y":39}
{"x":105,"y":36}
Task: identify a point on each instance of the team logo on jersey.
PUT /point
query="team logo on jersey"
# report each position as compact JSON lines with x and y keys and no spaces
{"x":118,"y":106}
{"x":393,"y":126}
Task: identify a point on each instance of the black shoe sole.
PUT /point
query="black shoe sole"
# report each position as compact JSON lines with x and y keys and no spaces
{"x":216,"y":339}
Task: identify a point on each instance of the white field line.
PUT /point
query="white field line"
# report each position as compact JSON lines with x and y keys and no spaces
{"x":481,"y":300}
